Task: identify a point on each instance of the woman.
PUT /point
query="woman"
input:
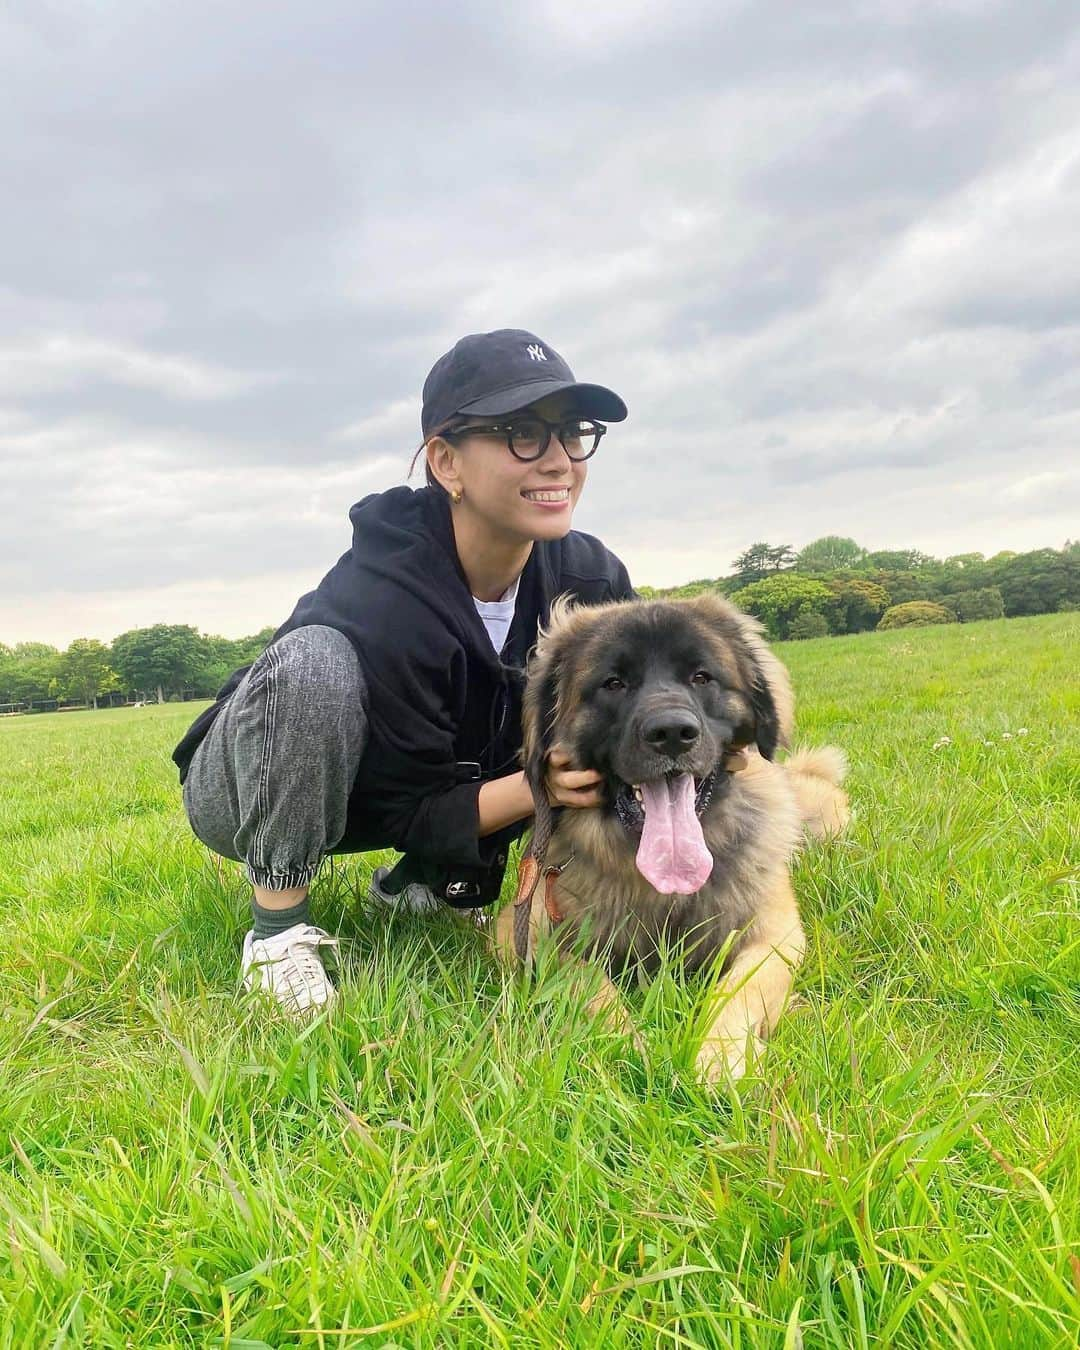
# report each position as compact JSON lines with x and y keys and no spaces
{"x":386,"y":710}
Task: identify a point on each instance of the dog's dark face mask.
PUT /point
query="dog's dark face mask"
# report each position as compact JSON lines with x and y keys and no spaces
{"x":663,"y":701}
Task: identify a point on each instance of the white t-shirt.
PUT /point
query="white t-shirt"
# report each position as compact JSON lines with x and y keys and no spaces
{"x":498,"y":615}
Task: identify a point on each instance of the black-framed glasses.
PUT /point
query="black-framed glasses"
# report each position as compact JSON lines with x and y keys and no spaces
{"x":527,"y":438}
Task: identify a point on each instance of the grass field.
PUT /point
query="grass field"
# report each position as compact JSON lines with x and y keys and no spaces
{"x":461,"y":1160}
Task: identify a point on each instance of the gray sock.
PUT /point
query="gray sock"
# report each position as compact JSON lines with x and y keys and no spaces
{"x":267,"y":922}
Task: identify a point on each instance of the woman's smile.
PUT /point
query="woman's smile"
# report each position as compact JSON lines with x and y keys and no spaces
{"x":549,"y":499}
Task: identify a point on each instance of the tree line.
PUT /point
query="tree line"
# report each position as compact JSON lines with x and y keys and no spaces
{"x":163,"y":661}
{"x":831,"y":586}
{"x":835,"y":586}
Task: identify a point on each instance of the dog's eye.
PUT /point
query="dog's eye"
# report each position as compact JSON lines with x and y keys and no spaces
{"x":701,"y":677}
{"x":613,"y":683}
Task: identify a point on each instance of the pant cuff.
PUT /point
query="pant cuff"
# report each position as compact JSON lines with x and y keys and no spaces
{"x":270,"y":880}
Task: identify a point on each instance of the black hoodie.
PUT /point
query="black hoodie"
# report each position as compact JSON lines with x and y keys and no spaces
{"x":444,"y":710}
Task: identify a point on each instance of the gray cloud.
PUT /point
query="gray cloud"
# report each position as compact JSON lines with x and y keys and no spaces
{"x":828,"y":254}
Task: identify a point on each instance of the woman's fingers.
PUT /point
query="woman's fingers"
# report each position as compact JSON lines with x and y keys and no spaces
{"x":571,"y":787}
{"x":560,"y":771}
{"x":575,"y":788}
{"x":573,"y":779}
{"x":582,"y":797}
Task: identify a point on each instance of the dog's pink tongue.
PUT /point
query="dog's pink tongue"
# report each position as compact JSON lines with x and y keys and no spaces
{"x":672,"y":855}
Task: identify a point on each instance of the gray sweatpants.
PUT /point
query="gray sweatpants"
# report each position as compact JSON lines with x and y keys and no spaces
{"x":269,"y":786}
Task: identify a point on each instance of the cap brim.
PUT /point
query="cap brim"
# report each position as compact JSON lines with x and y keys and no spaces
{"x":592,"y":400}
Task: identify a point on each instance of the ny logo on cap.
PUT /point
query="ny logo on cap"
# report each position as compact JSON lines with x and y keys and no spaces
{"x":536,"y":352}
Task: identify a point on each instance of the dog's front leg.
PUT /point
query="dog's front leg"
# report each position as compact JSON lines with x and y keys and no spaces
{"x":754,"y":991}
{"x":605,"y":1003}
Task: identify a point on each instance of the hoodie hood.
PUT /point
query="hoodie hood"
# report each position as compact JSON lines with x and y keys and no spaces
{"x":405,"y":538}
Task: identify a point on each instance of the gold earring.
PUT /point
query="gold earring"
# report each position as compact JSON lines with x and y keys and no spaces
{"x":456,"y":496}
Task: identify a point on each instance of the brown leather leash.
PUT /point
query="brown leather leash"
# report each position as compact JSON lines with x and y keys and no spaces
{"x":532,"y":865}
{"x":532,"y":870}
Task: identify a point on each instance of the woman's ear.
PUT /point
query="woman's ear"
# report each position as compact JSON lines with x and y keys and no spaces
{"x":444,"y":461}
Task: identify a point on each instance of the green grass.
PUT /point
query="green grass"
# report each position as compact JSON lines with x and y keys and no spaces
{"x":461,"y":1159}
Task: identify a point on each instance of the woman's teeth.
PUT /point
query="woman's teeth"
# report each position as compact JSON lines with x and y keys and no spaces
{"x":548,"y":495}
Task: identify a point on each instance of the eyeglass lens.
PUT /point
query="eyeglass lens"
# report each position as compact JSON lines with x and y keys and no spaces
{"x":530,"y":437}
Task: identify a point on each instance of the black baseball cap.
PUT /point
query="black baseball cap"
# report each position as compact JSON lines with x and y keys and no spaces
{"x":488,"y":374}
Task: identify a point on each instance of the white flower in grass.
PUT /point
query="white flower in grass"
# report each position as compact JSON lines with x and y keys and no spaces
{"x":943,"y":740}
{"x":989,"y":743}
{"x":1021,"y":731}
{"x":1006,"y":735}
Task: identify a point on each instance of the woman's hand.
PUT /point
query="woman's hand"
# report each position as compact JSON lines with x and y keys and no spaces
{"x":571,"y":787}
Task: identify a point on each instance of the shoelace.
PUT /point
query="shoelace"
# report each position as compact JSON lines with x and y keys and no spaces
{"x":305,"y":961}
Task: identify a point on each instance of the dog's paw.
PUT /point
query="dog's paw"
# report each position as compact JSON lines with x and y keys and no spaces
{"x":611,"y":1013}
{"x":726,"y":1060}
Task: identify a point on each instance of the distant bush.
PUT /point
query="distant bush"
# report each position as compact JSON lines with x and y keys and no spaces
{"x":857,"y":604}
{"x":915,"y":613}
{"x":780,"y":599}
{"x":968,"y":606}
{"x":808,"y":624}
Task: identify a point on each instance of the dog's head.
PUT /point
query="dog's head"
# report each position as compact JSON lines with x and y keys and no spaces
{"x":653,"y":695}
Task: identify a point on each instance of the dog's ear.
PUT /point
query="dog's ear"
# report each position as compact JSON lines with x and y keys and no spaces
{"x":766,"y":680}
{"x":769,"y":689}
{"x":766,"y":718}
{"x":538,"y":715}
{"x":540,"y":707}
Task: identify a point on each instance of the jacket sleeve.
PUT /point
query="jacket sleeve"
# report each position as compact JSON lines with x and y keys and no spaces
{"x":410,"y":788}
{"x":442,"y":827}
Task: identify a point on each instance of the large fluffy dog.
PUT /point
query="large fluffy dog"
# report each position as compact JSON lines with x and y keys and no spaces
{"x":681,"y":706}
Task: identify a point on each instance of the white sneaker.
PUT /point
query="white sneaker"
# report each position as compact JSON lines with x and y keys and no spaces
{"x":289,"y":968}
{"x":416,"y":898}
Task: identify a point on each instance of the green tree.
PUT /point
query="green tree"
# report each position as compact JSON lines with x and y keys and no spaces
{"x":968,"y":606}
{"x":163,"y":658}
{"x":221,"y":656}
{"x":1039,"y":582}
{"x":776,"y":600}
{"x":857,"y":604}
{"x":901,"y":587}
{"x":31,"y":672}
{"x":754,"y":563}
{"x":808,"y":623}
{"x":916,"y":613}
{"x":84,"y":670}
{"x":898,"y":559}
{"x":783,"y":555}
{"x":831,"y":553}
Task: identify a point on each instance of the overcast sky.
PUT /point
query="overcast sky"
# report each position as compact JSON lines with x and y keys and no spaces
{"x":829,"y":253}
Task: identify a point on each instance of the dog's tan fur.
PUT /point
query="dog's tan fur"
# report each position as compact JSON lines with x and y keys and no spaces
{"x":746,"y":915}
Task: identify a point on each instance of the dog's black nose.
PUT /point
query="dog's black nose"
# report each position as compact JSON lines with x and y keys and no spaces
{"x":670,"y":733}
